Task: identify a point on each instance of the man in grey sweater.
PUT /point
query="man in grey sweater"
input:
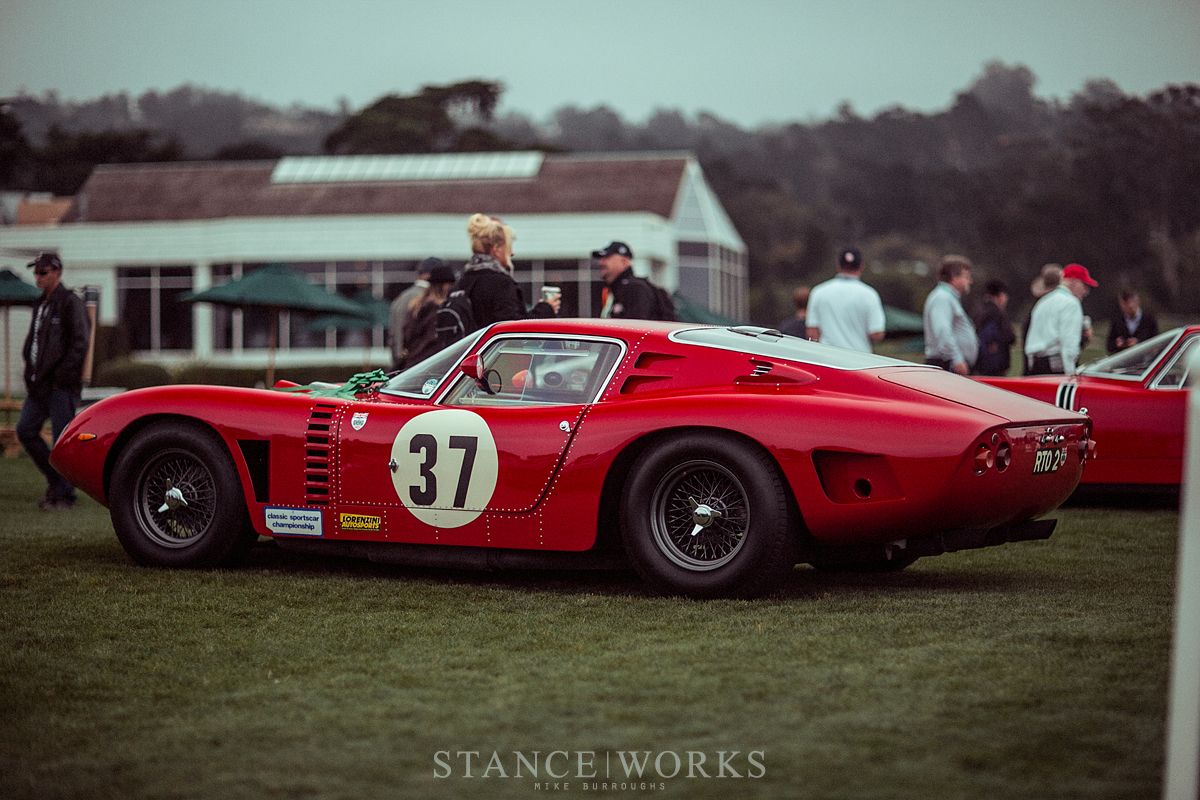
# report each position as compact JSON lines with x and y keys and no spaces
{"x":950,"y":341}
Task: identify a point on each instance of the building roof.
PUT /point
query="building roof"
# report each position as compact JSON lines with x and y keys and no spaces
{"x":549,"y":184}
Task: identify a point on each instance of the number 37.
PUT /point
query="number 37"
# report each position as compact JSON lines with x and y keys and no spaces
{"x":426,"y":493}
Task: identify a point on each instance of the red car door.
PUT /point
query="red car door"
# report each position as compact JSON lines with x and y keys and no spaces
{"x":1140,"y":424}
{"x":1138,"y":431}
{"x":426,"y":473}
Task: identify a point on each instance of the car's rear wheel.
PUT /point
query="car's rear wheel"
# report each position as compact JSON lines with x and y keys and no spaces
{"x":706,"y":515}
{"x":175,"y":499}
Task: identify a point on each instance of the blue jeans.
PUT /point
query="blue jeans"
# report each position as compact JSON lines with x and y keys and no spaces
{"x":59,"y":408}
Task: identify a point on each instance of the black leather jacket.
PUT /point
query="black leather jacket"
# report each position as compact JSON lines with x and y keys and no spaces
{"x":62,"y":343}
{"x":633,"y":297}
{"x":495,"y":295}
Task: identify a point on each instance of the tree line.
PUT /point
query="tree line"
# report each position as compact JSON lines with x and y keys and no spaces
{"x":1010,"y":179}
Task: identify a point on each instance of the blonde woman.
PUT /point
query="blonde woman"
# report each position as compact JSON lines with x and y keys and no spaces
{"x":487,"y":278}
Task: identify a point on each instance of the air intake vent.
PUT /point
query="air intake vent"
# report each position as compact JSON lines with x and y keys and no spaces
{"x":319,"y":454}
{"x":760,"y":368}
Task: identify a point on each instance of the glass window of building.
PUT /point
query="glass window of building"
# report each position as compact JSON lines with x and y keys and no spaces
{"x":150,"y":310}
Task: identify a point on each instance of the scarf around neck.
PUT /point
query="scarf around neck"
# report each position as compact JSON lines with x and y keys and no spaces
{"x":484,"y":261}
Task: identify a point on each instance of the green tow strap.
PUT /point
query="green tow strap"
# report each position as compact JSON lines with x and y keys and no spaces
{"x":356,"y":383}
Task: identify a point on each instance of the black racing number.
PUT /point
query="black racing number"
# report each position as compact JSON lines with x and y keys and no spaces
{"x":426,"y":494}
{"x":470,"y":446}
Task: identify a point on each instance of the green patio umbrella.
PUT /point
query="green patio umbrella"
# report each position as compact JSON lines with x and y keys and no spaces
{"x":377,"y":314}
{"x":690,"y":311}
{"x":13,"y":292}
{"x":276,"y":288}
{"x":898,"y":322}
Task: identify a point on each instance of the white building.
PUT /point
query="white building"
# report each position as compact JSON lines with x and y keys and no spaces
{"x":146,"y":233}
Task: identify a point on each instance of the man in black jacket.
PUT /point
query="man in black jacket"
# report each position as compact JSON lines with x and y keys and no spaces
{"x":995,"y":331}
{"x":1130,"y":323}
{"x":54,"y":353}
{"x":627,"y":296}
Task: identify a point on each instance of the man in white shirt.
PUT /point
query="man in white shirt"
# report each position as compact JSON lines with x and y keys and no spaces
{"x":1056,"y":325}
{"x":950,"y":340}
{"x":844,"y":311}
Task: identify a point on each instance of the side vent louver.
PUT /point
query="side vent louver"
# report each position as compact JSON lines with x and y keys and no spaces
{"x":768,"y":376}
{"x":319,"y":454}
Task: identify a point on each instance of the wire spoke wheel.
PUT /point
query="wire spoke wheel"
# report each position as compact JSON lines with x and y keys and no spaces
{"x":705,"y":514}
{"x":176,"y":498}
{"x":700,"y":515}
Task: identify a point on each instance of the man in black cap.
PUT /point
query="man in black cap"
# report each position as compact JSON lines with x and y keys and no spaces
{"x":626,"y":296}
{"x":54,"y":353}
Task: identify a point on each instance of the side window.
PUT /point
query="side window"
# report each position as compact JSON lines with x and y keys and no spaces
{"x":539,"y":371}
{"x":1177,"y":373}
{"x":421,"y":380}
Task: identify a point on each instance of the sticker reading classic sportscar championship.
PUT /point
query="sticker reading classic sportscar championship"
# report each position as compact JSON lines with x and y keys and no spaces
{"x":712,"y":459}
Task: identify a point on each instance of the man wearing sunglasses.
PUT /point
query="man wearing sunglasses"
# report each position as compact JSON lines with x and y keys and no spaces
{"x":54,"y":353}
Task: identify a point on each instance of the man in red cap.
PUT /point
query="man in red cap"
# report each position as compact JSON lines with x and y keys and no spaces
{"x":1052,"y":344}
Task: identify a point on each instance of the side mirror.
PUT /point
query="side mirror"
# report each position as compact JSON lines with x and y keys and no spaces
{"x":471,"y":367}
{"x":486,"y":379}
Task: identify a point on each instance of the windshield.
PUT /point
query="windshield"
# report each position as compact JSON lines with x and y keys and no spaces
{"x":421,"y":380}
{"x":1136,"y":361}
{"x":770,"y":342}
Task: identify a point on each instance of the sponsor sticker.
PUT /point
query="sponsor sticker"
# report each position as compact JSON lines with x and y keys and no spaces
{"x":358,"y":420}
{"x":294,"y":521}
{"x":359,"y":522}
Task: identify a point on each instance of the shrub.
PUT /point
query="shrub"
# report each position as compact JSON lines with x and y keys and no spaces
{"x":130,"y":374}
{"x":200,"y":372}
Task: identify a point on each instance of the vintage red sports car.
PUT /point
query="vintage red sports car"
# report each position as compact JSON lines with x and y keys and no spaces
{"x":713,"y":459}
{"x":1137,"y":401}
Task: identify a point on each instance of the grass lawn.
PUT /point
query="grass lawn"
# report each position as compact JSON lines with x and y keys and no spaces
{"x":1035,"y":670}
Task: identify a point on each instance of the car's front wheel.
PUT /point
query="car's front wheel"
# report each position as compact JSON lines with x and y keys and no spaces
{"x":175,"y":499}
{"x":706,"y":515}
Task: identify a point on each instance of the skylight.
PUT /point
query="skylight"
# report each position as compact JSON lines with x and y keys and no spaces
{"x":432,"y":167}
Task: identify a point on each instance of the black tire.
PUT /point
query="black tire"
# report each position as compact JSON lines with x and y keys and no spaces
{"x":706,"y":515}
{"x":209,"y":528}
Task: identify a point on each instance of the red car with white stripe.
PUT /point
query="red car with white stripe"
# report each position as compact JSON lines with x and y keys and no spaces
{"x":1137,"y":401}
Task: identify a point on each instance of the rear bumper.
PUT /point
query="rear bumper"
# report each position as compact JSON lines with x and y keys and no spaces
{"x":1003,"y":475}
{"x":1028,"y":531}
{"x":936,"y":544}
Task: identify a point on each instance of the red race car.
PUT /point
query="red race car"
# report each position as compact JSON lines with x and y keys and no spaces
{"x":713,"y":459}
{"x":1137,"y":402}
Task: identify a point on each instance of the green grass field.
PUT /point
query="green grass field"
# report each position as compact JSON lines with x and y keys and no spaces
{"x":1035,"y":670}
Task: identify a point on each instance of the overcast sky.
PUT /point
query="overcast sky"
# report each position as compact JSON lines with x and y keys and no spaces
{"x":749,"y":61}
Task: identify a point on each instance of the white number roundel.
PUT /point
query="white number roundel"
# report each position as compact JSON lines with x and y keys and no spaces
{"x":446,"y":466}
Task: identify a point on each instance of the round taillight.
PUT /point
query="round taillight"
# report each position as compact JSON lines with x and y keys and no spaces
{"x":1003,"y":456}
{"x":985,"y":459}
